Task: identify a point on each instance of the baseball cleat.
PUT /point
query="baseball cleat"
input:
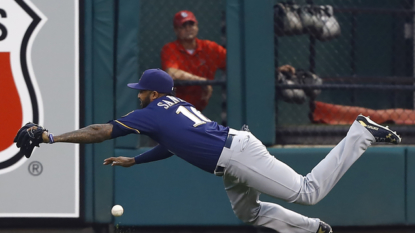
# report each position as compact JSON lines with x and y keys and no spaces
{"x":381,"y":133}
{"x":324,"y":228}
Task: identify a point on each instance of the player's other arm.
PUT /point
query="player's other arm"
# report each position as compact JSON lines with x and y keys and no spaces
{"x":159,"y":152}
{"x":91,"y":134}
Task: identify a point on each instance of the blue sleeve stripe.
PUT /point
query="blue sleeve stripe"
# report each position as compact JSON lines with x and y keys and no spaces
{"x":128,"y":127}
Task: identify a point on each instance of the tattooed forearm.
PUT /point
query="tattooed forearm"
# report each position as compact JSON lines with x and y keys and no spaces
{"x":90,"y":134}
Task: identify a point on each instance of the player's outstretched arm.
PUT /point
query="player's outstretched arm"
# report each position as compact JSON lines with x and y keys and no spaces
{"x":90,"y":134}
{"x":120,"y":161}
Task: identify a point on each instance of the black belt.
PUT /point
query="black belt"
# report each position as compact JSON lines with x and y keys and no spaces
{"x":228,"y":142}
{"x":229,"y":139}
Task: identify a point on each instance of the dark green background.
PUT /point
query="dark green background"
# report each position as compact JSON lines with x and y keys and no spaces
{"x":124,"y":37}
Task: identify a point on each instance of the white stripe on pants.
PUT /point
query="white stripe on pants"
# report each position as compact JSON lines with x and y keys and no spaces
{"x":250,"y":170}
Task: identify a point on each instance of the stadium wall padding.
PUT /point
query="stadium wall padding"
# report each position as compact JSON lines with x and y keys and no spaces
{"x":235,"y":63}
{"x":88,"y":116}
{"x":127,"y":66}
{"x":251,"y":67}
{"x":259,"y":69}
{"x":99,"y":102}
{"x":376,"y":191}
{"x":410,"y":185}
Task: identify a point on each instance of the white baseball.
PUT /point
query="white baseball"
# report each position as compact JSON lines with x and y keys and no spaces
{"x":117,"y":210}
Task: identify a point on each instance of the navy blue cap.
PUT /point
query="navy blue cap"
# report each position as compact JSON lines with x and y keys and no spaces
{"x":154,"y":80}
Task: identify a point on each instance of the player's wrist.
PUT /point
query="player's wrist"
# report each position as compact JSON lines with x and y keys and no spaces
{"x":51,"y":139}
{"x":48,"y":137}
{"x":131,"y":161}
{"x":45,"y":137}
{"x":135,"y":159}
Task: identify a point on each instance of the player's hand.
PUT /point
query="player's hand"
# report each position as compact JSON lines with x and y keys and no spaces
{"x":207,"y":92}
{"x":120,"y":161}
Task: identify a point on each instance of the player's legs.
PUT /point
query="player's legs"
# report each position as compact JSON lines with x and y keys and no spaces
{"x":325,"y":175}
{"x":256,"y":168}
{"x":251,"y":170}
{"x":248,"y":208}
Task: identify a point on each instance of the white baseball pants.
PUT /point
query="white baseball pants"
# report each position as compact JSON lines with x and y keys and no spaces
{"x":250,"y":170}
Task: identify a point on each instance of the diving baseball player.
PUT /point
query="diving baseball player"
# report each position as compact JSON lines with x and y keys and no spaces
{"x":243,"y":162}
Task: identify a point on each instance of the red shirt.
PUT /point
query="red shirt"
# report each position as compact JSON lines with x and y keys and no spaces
{"x":205,"y":60}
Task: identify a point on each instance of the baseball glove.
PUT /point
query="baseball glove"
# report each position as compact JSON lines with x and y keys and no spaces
{"x":27,"y":138}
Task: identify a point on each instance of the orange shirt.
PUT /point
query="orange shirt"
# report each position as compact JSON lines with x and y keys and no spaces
{"x":205,"y":60}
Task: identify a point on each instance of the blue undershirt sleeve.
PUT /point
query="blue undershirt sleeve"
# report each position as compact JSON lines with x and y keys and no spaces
{"x":159,"y":152}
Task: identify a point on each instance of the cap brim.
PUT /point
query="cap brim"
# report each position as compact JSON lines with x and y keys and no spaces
{"x":134,"y":86}
{"x":184,"y":21}
{"x":188,"y":20}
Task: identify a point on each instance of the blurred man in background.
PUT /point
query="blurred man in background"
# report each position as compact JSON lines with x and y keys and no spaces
{"x":189,"y":58}
{"x":192,"y":59}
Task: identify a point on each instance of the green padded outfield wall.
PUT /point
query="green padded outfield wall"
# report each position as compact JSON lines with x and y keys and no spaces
{"x":99,"y":102}
{"x":371,"y":193}
{"x":172,"y":192}
{"x":410,"y":186}
{"x":127,"y":66}
{"x":250,"y":60}
{"x":377,"y":190}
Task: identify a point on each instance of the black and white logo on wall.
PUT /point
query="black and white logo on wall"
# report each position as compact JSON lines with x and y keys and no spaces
{"x":39,"y":73}
{"x":20,"y":22}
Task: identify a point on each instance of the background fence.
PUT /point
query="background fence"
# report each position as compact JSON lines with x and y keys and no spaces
{"x":156,"y":30}
{"x":367,"y":68}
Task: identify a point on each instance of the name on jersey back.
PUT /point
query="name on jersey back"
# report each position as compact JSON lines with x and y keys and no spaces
{"x":167,"y":104}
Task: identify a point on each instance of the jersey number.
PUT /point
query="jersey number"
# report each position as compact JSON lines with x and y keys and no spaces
{"x":194,"y":115}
